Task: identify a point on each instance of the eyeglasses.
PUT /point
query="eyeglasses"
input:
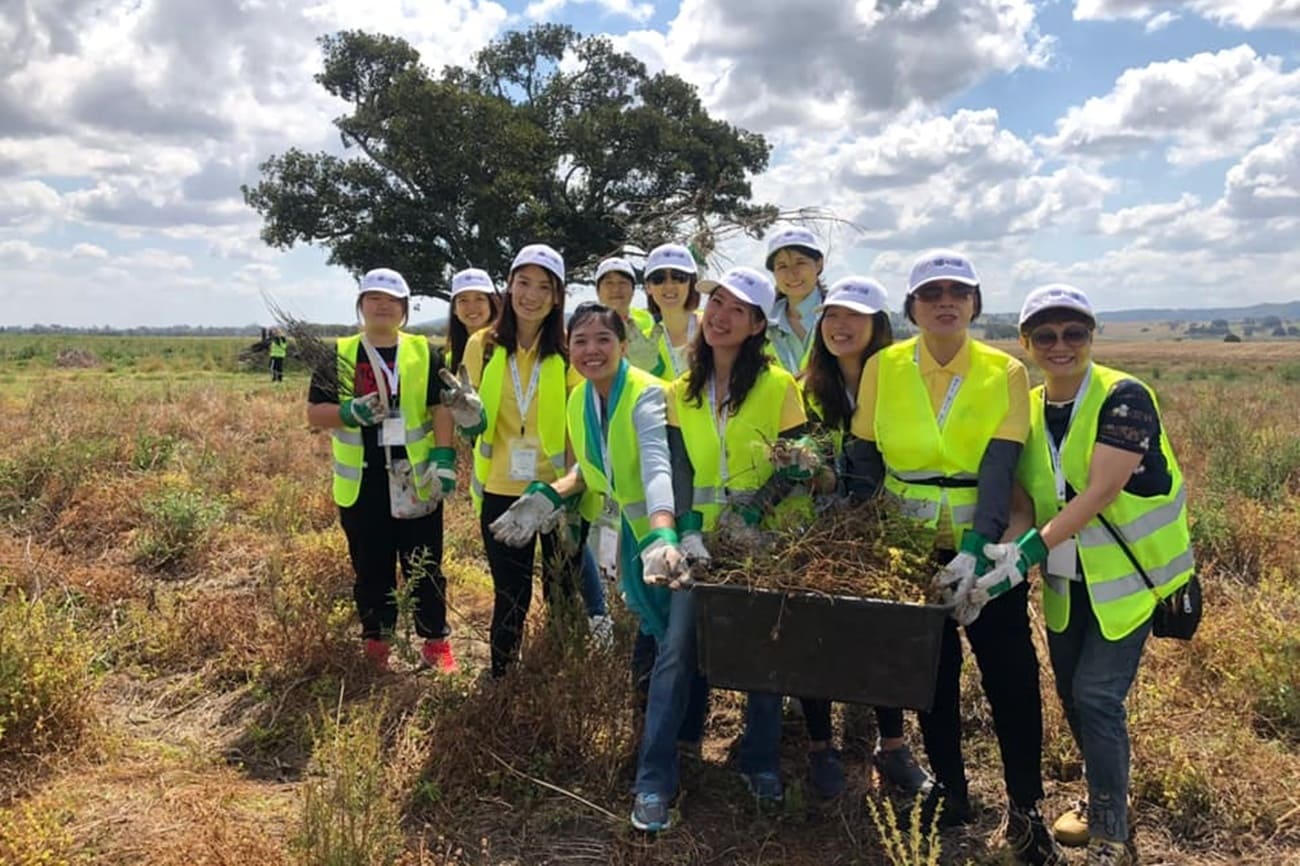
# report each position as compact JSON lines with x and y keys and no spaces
{"x":658,"y":278}
{"x":933,"y":293}
{"x":1073,"y":336}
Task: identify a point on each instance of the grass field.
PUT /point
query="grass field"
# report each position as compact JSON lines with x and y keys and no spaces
{"x":181,"y":683}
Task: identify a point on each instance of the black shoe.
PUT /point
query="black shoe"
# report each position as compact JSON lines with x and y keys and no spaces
{"x":1030,"y":839}
{"x":952,"y":807}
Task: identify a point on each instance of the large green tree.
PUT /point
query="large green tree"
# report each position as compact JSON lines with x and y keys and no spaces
{"x":550,"y":136}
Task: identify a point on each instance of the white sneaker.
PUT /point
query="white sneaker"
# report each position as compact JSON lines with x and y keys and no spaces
{"x":601,"y":629}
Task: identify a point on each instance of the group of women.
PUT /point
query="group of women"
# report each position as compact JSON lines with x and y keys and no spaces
{"x":653,"y":429}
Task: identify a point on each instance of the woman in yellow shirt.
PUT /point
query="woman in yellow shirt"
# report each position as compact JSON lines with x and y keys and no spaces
{"x":474,"y":304}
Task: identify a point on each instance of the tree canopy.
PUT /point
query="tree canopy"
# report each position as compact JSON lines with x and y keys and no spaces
{"x":549,"y":137}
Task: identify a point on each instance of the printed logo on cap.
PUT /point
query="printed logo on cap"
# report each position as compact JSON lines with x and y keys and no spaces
{"x":471,"y":279}
{"x":670,"y":256}
{"x":384,"y":280}
{"x":940,"y":265}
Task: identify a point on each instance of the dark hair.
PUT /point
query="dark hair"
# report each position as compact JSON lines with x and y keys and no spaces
{"x":824,"y":380}
{"x":458,"y":334}
{"x":692,"y":298}
{"x":750,"y":362}
{"x":1052,"y":315}
{"x":406,"y":307}
{"x":804,"y":251}
{"x":607,"y":316}
{"x":910,"y":300}
{"x":505,"y":330}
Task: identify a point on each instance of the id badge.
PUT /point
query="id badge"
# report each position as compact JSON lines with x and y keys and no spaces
{"x":607,"y":551}
{"x":1062,"y":560}
{"x":523,"y":461}
{"x":393,"y":432}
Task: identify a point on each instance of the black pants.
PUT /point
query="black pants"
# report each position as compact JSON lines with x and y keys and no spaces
{"x":1008,"y":666}
{"x":376,"y":542}
{"x":817,"y":719}
{"x":512,"y":579}
{"x":277,"y":369}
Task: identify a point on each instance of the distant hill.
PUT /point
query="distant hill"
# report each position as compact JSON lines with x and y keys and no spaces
{"x":1286,"y":311}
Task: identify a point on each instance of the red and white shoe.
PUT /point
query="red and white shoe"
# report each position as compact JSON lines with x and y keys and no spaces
{"x":437,"y":654}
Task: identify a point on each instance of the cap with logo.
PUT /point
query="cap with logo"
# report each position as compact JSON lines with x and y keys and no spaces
{"x":751,"y":286}
{"x":544,"y":257}
{"x":472,"y":280}
{"x":385,"y":280}
{"x":859,"y":294}
{"x":1057,"y":296}
{"x":941,"y":265}
{"x":793,"y":237}
{"x":615,"y":265}
{"x":670,"y":256}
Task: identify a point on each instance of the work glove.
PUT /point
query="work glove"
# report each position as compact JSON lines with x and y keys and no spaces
{"x":363,"y":411}
{"x":1011,"y":564}
{"x":797,"y":460}
{"x":955,"y":579}
{"x":539,"y":510}
{"x":440,"y":473}
{"x":697,"y":555}
{"x":463,"y":402}
{"x":662,"y":561}
{"x":643,"y":347}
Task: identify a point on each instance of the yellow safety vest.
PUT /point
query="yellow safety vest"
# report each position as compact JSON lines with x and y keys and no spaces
{"x":749,"y":434}
{"x":348,"y":446}
{"x":928,"y":466}
{"x":550,"y":423}
{"x":1154,"y":527}
{"x":624,"y":459}
{"x":642,"y":319}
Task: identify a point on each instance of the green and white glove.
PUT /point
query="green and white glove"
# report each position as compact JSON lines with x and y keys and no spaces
{"x":361,"y":411}
{"x":463,"y":402}
{"x":955,"y":579}
{"x":440,"y":474}
{"x":642,"y":346}
{"x":1011,"y":564}
{"x":539,"y":510}
{"x":798,"y":460}
{"x":662,"y":560}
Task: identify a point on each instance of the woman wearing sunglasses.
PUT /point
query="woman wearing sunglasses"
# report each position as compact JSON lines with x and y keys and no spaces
{"x":940,"y":423}
{"x":796,"y":260}
{"x":670,"y":285}
{"x":1111,"y":514}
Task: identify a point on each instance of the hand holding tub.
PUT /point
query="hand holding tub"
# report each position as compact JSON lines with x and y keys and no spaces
{"x":662,"y":561}
{"x":955,"y":580}
{"x":1011,"y":563}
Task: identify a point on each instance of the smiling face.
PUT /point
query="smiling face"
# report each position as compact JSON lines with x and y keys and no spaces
{"x":943,"y":307}
{"x":594,"y":349}
{"x":615,"y":291}
{"x":669,"y":287}
{"x":381,"y":311}
{"x":473,"y":309}
{"x":532,"y":294}
{"x":729,"y":320}
{"x":796,"y":273}
{"x":1061,"y":346}
{"x":846,"y":332}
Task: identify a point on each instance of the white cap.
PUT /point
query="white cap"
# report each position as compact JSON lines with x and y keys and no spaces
{"x":472,"y":280}
{"x":792,"y":237}
{"x":615,"y":265}
{"x":749,"y":285}
{"x":1057,"y":296}
{"x":543,"y":256}
{"x":941,"y":265}
{"x":859,"y":294}
{"x":673,"y":256}
{"x":385,"y":280}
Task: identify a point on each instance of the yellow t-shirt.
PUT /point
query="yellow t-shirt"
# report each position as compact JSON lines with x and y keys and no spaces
{"x":508,"y":421}
{"x":938,"y":378}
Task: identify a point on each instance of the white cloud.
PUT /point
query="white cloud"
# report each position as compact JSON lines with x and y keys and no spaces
{"x":1246,"y":14}
{"x":20,"y":253}
{"x":1127,"y":221}
{"x":1207,"y":107}
{"x":28,"y":205}
{"x":89,"y":251}
{"x":1161,"y":21}
{"x":541,"y":10}
{"x":1266,"y":183}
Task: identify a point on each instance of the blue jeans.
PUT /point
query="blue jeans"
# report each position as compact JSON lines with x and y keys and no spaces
{"x":644,"y":652}
{"x":593,"y":588}
{"x":1093,"y":677}
{"x":670,"y":688}
{"x":760,"y":747}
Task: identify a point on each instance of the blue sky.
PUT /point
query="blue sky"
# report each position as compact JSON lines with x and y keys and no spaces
{"x":1148,"y":152}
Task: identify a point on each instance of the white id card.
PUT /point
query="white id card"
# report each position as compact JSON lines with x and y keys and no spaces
{"x":607,"y":551}
{"x":523,"y":461}
{"x":393,"y":432}
{"x":1062,"y":560}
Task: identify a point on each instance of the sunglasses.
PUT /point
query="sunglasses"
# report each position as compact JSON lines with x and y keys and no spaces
{"x":1073,"y":336}
{"x":658,"y":278}
{"x":932,"y":294}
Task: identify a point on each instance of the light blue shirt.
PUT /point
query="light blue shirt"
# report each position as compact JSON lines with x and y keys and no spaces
{"x":790,"y":350}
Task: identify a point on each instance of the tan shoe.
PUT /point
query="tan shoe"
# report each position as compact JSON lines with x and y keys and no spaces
{"x":1071,"y":829}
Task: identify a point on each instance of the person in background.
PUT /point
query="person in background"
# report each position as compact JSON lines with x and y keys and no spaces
{"x":474,"y":305}
{"x":1109,"y":515}
{"x":615,"y":287}
{"x":853,"y":326}
{"x":346,"y":401}
{"x":940,"y":423}
{"x":796,"y":260}
{"x":671,"y":279}
{"x":279,"y":349}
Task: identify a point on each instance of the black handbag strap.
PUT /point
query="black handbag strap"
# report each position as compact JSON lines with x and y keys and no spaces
{"x":1119,"y":539}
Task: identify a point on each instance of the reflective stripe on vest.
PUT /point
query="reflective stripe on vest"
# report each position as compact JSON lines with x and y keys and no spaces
{"x":347,"y":442}
{"x":916,"y":451}
{"x":624,"y":458}
{"x":749,"y":434}
{"x":550,"y":423}
{"x":1154,"y":528}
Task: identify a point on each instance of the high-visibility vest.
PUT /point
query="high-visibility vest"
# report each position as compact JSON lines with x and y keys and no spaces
{"x":550,"y":423}
{"x":348,"y":445}
{"x":927,"y":467}
{"x":279,"y":347}
{"x":664,"y":369}
{"x":1153,"y":527}
{"x":624,"y":460}
{"x":641,"y":319}
{"x":750,"y":433}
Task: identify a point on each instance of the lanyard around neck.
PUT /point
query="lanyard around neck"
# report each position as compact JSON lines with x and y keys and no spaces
{"x":953,"y":387}
{"x":524,"y":399}
{"x":1054,"y":450}
{"x":390,"y":375}
{"x":721,"y":421}
{"x":603,"y":412}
